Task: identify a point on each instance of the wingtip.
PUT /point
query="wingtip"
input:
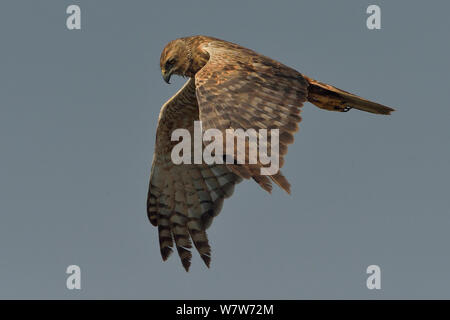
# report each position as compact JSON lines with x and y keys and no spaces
{"x":207,"y":260}
{"x":186,"y":267}
{"x":166,"y":252}
{"x":186,"y":262}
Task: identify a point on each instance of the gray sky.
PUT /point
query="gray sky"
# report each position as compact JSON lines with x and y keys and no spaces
{"x":78,"y":114}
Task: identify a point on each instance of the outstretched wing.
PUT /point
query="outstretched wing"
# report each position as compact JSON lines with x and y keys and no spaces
{"x":183,"y":199}
{"x":239,"y":88}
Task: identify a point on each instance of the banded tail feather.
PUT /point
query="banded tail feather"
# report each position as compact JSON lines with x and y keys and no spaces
{"x":327,"y":97}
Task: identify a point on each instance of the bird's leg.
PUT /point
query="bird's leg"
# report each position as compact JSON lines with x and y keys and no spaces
{"x":346,"y":109}
{"x":342,"y":108}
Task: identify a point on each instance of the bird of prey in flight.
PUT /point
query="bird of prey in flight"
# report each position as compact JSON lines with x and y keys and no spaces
{"x":229,"y":86}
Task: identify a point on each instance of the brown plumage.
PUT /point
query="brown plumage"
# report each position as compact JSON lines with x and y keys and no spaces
{"x":229,"y":87}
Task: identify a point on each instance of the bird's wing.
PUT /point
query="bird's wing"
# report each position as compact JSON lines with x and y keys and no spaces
{"x":183,"y":199}
{"x":239,"y":88}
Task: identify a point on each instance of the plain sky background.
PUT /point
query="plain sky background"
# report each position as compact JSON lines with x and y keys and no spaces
{"x":78,"y":115}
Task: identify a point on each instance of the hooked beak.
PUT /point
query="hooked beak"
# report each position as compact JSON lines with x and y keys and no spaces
{"x":166,"y":76}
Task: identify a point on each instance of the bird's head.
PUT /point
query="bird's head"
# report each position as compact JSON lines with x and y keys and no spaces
{"x":175,"y":59}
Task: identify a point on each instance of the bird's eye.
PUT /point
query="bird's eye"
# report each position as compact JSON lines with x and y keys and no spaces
{"x":169,"y":64}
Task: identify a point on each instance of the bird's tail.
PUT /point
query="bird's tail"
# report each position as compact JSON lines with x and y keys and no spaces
{"x":331,"y":98}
